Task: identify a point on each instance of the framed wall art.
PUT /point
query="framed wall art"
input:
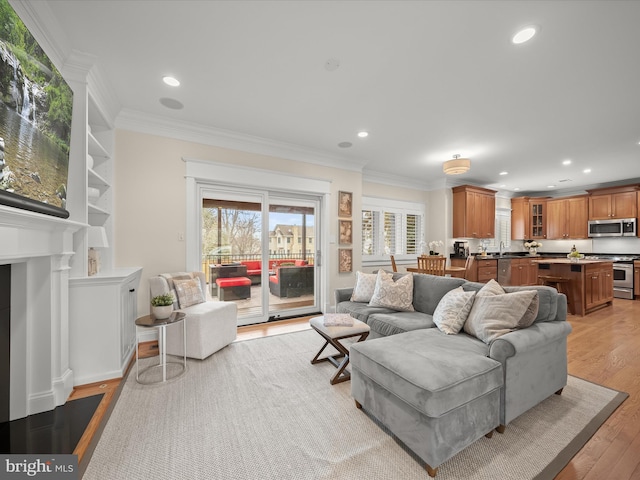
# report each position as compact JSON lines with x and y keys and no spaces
{"x":345,"y":260}
{"x":345,"y":201}
{"x":344,"y":228}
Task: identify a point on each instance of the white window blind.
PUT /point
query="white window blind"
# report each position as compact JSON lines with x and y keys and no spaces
{"x":503,"y":229}
{"x":390,"y":228}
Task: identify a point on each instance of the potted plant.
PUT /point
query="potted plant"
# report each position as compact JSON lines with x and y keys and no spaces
{"x":162,"y":306}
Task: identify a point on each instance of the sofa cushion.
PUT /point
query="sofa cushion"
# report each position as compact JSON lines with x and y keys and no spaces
{"x":433,"y":372}
{"x":393,"y":294}
{"x":453,"y":310}
{"x":494,"y":315}
{"x":428,"y":290}
{"x":385,"y":324}
{"x":364,"y":288}
{"x":361,"y":311}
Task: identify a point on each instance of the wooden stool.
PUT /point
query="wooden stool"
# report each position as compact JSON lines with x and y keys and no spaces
{"x":333,"y":335}
{"x":561,"y":285}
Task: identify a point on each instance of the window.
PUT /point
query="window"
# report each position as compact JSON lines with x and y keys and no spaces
{"x":390,"y":228}
{"x":503,"y":229}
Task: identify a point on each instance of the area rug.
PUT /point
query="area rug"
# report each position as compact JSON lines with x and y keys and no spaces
{"x":258,"y":409}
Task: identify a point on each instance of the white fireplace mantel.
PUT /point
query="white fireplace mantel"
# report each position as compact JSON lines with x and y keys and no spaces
{"x":39,"y":248}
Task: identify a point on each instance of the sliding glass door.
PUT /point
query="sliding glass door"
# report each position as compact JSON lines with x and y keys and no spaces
{"x":259,"y":251}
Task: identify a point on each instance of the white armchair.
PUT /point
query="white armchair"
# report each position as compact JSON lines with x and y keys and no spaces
{"x":210,"y":325}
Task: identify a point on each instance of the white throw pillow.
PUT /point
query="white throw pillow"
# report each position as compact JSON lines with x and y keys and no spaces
{"x":365,"y":285}
{"x":397,"y":295}
{"x":452,"y":310}
{"x":494,"y":315}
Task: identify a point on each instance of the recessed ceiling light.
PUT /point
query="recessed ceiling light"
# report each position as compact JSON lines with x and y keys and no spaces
{"x":524,"y":35}
{"x":171,"y":81}
{"x":363,"y":134}
{"x":503,"y":173}
{"x":551,"y":186}
{"x":566,"y":162}
{"x":517,"y":188}
{"x":502,"y":186}
{"x":586,"y":170}
{"x":345,"y":144}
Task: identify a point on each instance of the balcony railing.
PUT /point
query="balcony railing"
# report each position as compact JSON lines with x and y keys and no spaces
{"x":239,"y":257}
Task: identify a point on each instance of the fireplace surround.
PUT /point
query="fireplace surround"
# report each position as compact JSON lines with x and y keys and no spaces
{"x":38,"y":248}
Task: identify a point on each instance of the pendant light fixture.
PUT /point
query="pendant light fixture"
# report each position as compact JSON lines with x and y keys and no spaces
{"x":456,"y":166}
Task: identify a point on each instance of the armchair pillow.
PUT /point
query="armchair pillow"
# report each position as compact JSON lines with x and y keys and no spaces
{"x":397,"y":295}
{"x":189,"y":292}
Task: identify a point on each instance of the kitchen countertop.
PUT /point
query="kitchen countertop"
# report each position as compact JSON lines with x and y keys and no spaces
{"x":568,"y":261}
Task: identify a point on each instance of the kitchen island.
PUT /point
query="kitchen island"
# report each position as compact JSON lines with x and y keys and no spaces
{"x":590,"y":281}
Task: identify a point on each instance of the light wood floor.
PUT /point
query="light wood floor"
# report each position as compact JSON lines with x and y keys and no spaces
{"x":604,"y":348}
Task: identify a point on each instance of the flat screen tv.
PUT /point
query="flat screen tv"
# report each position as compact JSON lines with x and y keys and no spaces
{"x":35,"y":122}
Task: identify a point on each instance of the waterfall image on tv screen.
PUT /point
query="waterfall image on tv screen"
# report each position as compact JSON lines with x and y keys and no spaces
{"x":35,"y":122}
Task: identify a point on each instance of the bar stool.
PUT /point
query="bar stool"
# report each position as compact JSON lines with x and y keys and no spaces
{"x":561,"y":284}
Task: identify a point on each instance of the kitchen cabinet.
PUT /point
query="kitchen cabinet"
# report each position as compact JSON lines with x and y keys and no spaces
{"x":524,"y":271}
{"x":567,"y":218}
{"x":590,"y":281}
{"x":474,"y":212}
{"x":619,"y":202}
{"x":598,"y":286}
{"x":486,"y":270}
{"x":636,"y":278}
{"x":528,"y":218}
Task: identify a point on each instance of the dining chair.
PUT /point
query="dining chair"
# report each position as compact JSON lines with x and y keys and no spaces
{"x":432,"y":265}
{"x":468,"y":265}
{"x":393,"y":264}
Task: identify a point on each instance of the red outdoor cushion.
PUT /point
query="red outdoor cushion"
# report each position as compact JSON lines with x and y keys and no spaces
{"x":253,"y":265}
{"x":233,"y":282}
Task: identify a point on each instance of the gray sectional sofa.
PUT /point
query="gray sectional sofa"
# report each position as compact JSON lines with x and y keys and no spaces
{"x":439,"y":393}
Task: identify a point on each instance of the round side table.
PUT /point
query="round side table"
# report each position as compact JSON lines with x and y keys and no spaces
{"x":150,"y":321}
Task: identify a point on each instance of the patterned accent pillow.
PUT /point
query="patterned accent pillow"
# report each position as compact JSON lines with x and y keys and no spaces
{"x":365,"y":285}
{"x":397,"y":295}
{"x":453,"y":310}
{"x":189,"y":292}
{"x":491,"y":288}
{"x":494,"y":315}
{"x":494,"y":288}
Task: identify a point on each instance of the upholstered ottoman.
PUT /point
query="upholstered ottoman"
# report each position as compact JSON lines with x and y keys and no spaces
{"x":437,"y":400}
{"x":233,"y":288}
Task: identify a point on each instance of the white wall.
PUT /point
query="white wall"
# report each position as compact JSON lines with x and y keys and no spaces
{"x":150,"y":203}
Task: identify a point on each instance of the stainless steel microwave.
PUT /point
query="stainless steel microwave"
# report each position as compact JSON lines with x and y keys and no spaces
{"x":621,"y":227}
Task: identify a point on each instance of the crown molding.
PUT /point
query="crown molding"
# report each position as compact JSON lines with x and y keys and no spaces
{"x":39,"y":19}
{"x":191,"y":132}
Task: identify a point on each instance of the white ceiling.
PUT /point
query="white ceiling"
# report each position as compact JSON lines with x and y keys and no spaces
{"x":427,"y":79}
